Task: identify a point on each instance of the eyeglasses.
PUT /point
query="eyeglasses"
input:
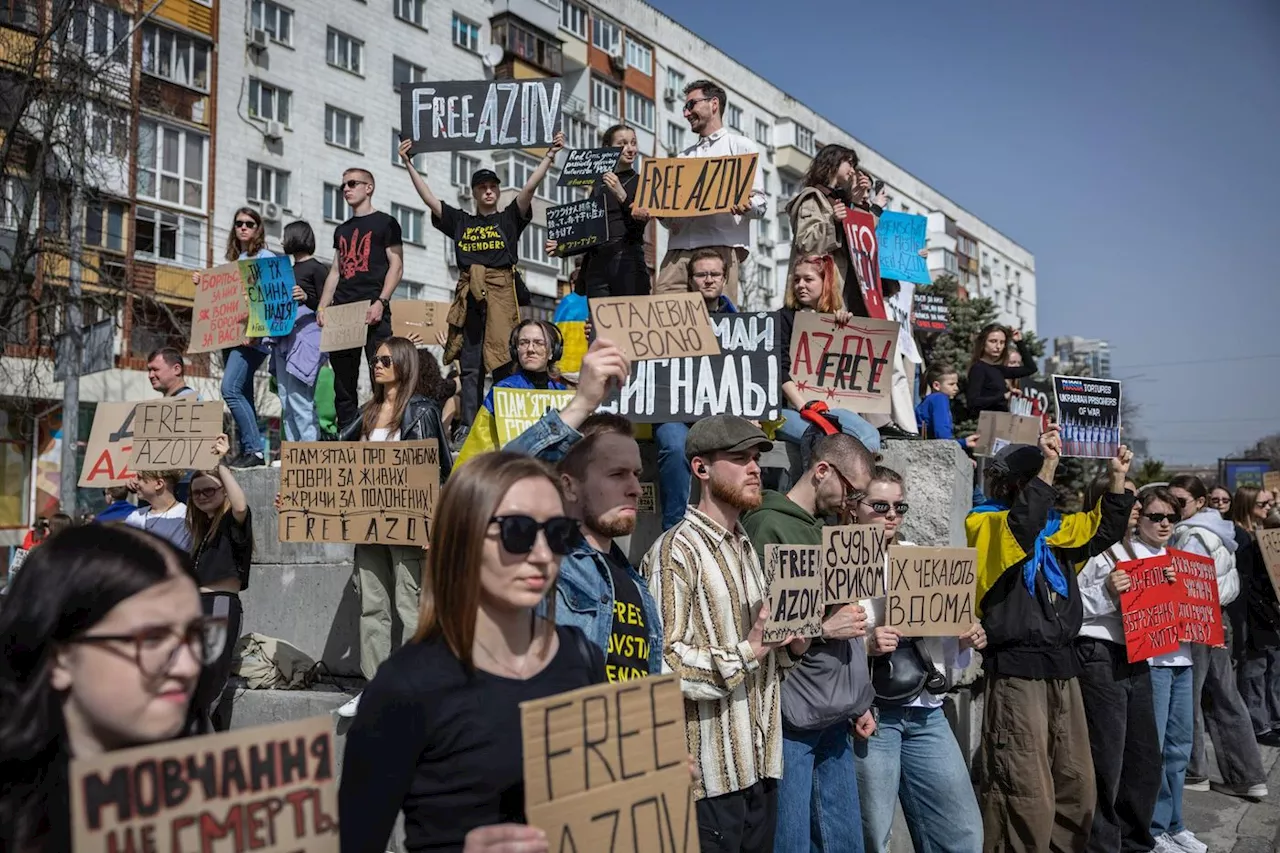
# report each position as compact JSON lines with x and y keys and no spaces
{"x":383,"y":360}
{"x":703,"y":276}
{"x":531,"y":344}
{"x":246,"y":223}
{"x":693,"y":102}
{"x":851,"y":492}
{"x":156,"y":648}
{"x":1264,"y":504}
{"x":883,"y":507}
{"x":352,"y":184}
{"x":205,"y":493}
{"x":518,"y":533}
{"x":1219,"y":501}
{"x":1157,"y":517}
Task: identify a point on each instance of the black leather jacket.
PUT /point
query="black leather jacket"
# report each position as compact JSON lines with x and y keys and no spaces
{"x":420,"y":422}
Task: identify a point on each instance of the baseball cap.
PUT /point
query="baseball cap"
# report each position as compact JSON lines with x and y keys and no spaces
{"x":483,"y":176}
{"x":1017,"y":461}
{"x":723,"y":434}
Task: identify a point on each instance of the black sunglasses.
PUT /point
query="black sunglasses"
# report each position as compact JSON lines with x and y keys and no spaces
{"x":352,"y":184}
{"x":1157,"y":517}
{"x":693,"y":102}
{"x":882,"y":507}
{"x":519,"y":532}
{"x":246,"y":223}
{"x":384,"y":360}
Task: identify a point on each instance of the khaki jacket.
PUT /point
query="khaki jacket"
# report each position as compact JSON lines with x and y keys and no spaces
{"x":496,"y":288}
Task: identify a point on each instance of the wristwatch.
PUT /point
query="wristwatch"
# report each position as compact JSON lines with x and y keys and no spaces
{"x":386,"y":304}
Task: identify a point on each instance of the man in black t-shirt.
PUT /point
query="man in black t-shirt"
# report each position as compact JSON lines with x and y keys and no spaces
{"x":367,"y":267}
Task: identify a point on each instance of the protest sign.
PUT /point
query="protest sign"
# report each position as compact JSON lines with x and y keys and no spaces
{"x":415,"y":317}
{"x":648,"y":501}
{"x":1199,"y":613}
{"x":899,"y":238}
{"x":674,"y":325}
{"x":1031,"y":401}
{"x":860,"y":239}
{"x":1271,"y":482}
{"x":220,"y":310}
{"x":897,"y":307}
{"x":271,"y":788}
{"x":344,"y":327}
{"x":1088,"y":415}
{"x":358,"y":492}
{"x":577,"y":226}
{"x":997,"y":430}
{"x":852,"y":563}
{"x":584,"y":167}
{"x":464,"y":115}
{"x":98,"y":350}
{"x":847,"y":367}
{"x":15,"y":564}
{"x":1149,"y":608}
{"x":794,"y":575}
{"x":930,"y":314}
{"x":695,"y":186}
{"x":931,"y":590}
{"x":742,"y":380}
{"x":606,"y":768}
{"x":517,"y":409}
{"x":268,"y":287}
{"x":1269,"y":542}
{"x":175,"y":434}
{"x":106,"y":456}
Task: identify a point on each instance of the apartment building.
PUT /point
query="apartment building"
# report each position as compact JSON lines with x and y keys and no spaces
{"x":1076,"y":356}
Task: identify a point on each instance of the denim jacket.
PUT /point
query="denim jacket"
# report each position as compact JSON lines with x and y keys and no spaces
{"x":549,"y":439}
{"x":585,"y":599}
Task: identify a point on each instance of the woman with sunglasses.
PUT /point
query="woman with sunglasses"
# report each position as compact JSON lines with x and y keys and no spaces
{"x":438,"y":733}
{"x":1258,"y":673}
{"x":913,"y":758}
{"x":103,"y":644}
{"x":1220,"y":499}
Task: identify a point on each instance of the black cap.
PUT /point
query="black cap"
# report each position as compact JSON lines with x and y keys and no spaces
{"x":1017,"y":461}
{"x":724,"y":434}
{"x":485,"y":176}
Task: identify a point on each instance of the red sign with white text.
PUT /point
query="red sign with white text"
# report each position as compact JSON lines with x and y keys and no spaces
{"x":1150,"y":609}
{"x":864,"y":254}
{"x":1198,"y":609}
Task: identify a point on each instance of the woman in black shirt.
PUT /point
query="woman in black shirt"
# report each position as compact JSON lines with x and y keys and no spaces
{"x":986,"y":390}
{"x":437,"y":735}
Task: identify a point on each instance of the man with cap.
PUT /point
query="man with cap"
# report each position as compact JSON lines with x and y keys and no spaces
{"x":1037,"y":783}
{"x":485,"y":309}
{"x":712,"y":597}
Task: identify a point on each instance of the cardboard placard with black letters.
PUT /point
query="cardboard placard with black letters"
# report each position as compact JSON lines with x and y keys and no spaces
{"x":672,"y":187}
{"x":176,"y":434}
{"x":796,"y":596}
{"x":931,"y":590}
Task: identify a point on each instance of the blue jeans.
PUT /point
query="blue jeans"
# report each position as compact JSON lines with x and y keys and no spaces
{"x":914,"y":757}
{"x":1171,"y":688}
{"x":298,"y":400}
{"x":239,"y":364}
{"x":818,"y":793}
{"x":673,"y":472}
{"x":794,"y":427}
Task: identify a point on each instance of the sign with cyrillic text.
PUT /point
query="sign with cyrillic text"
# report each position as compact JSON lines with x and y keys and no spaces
{"x":462,"y":115}
{"x":853,"y":566}
{"x":268,"y":288}
{"x":674,"y":325}
{"x":929,"y":312}
{"x":517,"y":409}
{"x":220,"y":311}
{"x":577,"y":226}
{"x":1199,"y":613}
{"x":106,"y":456}
{"x":860,"y":239}
{"x":1150,"y":608}
{"x":997,"y":430}
{"x":176,"y":434}
{"x":1088,"y":415}
{"x":899,"y":239}
{"x":584,"y":167}
{"x":796,"y":605}
{"x":931,"y":590}
{"x":416,"y":317}
{"x":344,"y":327}
{"x":673,"y":187}
{"x":846,"y":367}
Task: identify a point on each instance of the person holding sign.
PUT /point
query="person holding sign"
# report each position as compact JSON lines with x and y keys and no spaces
{"x":438,"y":735}
{"x":1259,"y":672}
{"x":832,"y":185}
{"x":104,"y":643}
{"x":296,"y":358}
{"x":988,"y":370}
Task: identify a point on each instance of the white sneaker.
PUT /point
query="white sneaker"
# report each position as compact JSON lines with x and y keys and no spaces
{"x":1165,"y":844}
{"x":1202,"y":785}
{"x":353,"y":705}
{"x":1188,"y":842}
{"x":1251,"y":792}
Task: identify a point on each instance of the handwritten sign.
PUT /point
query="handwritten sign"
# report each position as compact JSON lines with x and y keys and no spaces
{"x":271,"y":788}
{"x":1150,"y":609}
{"x":1269,"y":542}
{"x":930,"y":312}
{"x":106,"y":456}
{"x":997,"y":430}
{"x":695,"y":186}
{"x":648,"y":500}
{"x":605,"y":768}
{"x":415,"y":317}
{"x":577,"y":226}
{"x":456,"y":115}
{"x":358,"y":492}
{"x":1088,"y":415}
{"x":1271,"y":481}
{"x":674,"y":325}
{"x":860,"y":238}
{"x":1199,"y":613}
{"x":176,"y":434}
{"x":517,"y":409}
{"x":849,"y":367}
{"x":268,"y":284}
{"x":899,"y":239}
{"x":220,"y":310}
{"x":344,"y":327}
{"x":931,"y":590}
{"x":584,"y":167}
{"x":794,"y":574}
{"x":853,"y":563}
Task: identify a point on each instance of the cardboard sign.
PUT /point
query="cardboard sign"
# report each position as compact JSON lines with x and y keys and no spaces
{"x":458,"y":115}
{"x":577,"y":226}
{"x":220,"y":310}
{"x":1199,"y":613}
{"x":1150,"y":609}
{"x":358,"y":492}
{"x":742,"y":380}
{"x":853,"y":563}
{"x":344,"y":327}
{"x":606,"y":768}
{"x":796,"y":602}
{"x":1088,"y":415}
{"x":1269,"y":542}
{"x":930,"y":312}
{"x":584,"y":167}
{"x":860,"y":238}
{"x":674,"y":325}
{"x":175,"y":434}
{"x":931,"y":590}
{"x":695,"y":186}
{"x":415,"y":317}
{"x":997,"y":430}
{"x":268,"y":287}
{"x":899,"y":238}
{"x":1271,"y":482}
{"x":270,"y":788}
{"x":648,"y":501}
{"x":848,"y":367}
{"x":106,"y":456}
{"x":517,"y":409}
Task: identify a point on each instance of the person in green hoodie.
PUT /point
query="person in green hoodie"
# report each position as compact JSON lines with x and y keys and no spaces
{"x":830,"y":685}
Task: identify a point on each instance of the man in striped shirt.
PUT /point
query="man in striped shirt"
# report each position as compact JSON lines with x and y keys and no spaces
{"x":711,"y":592}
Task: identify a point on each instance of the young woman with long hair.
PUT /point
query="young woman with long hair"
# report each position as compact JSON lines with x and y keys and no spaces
{"x":296,"y":358}
{"x":103,"y":644}
{"x":1258,"y":673}
{"x":438,"y":732}
{"x":832,"y":185}
{"x":986,"y":390}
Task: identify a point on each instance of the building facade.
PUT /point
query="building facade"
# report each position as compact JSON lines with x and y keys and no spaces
{"x":1075,"y":356}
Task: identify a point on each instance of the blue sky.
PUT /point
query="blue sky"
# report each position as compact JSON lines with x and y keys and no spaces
{"x":1130,"y":145}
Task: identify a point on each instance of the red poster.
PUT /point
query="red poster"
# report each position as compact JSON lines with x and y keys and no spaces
{"x":1198,"y":608}
{"x":1150,"y":609}
{"x":860,"y":237}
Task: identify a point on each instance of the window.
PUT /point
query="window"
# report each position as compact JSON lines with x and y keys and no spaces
{"x":466,"y":34}
{"x":640,"y":56}
{"x":275,"y":19}
{"x":419,"y":160}
{"x":336,"y":208}
{"x":100,"y":30}
{"x":804,"y":139}
{"x":675,"y":136}
{"x":172,"y":165}
{"x":341,"y":128}
{"x":789,"y":189}
{"x":403,"y":71}
{"x":949,"y":262}
{"x":966,"y":245}
{"x":104,"y":224}
{"x":462,"y":168}
{"x":764,"y":133}
{"x":175,"y":56}
{"x":411,"y":290}
{"x":345,"y":52}
{"x":23,"y":14}
{"x":573,"y":18}
{"x":269,"y":102}
{"x":577,"y":132}
{"x":604,"y":97}
{"x":413,"y":11}
{"x":527,"y":45}
{"x":165,"y":236}
{"x":17,"y":197}
{"x":733,"y":117}
{"x":784,"y":229}
{"x":516,"y":170}
{"x":533,"y":246}
{"x":675,"y":82}
{"x":108,"y":129}
{"x":606,"y":35}
{"x":410,"y":223}
{"x":639,"y":110}
{"x":268,"y":184}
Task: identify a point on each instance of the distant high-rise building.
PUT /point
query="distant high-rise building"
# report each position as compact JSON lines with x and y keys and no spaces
{"x":1074,"y":356}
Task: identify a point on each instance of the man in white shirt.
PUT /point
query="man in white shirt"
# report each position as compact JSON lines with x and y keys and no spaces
{"x":165,"y":515}
{"x":729,"y":233}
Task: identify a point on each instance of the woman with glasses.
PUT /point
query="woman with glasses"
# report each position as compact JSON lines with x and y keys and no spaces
{"x":438,"y":733}
{"x":1258,"y":673}
{"x":103,"y":644}
{"x":1220,"y":499}
{"x":913,"y":758}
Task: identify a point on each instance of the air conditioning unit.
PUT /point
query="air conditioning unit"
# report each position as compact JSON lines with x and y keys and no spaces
{"x":618,"y":61}
{"x":257,"y":38}
{"x":274,"y":130}
{"x":270,"y":211}
{"x":464,"y":192}
{"x":669,"y":95}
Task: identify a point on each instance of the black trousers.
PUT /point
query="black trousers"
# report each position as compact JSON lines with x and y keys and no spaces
{"x":214,"y":677}
{"x":1127,"y":762}
{"x":346,"y":372}
{"x":614,"y":269}
{"x":471,"y":361}
{"x":741,"y":822}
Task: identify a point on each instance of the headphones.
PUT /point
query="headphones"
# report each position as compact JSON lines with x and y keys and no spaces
{"x":555,"y":341}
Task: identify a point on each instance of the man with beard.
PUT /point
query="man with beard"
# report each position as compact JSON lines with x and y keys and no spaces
{"x":711,"y":592}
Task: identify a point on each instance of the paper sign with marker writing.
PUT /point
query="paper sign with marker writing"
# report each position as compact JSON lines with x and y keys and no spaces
{"x":1149,"y":608}
{"x":1000,"y":429}
{"x":415,"y":317}
{"x":106,"y":456}
{"x":899,"y":239}
{"x":220,"y":310}
{"x":849,"y":367}
{"x":1088,"y":415}
{"x":794,"y":575}
{"x":931,"y":590}
{"x":606,"y":768}
{"x":674,"y":325}
{"x":344,"y":327}
{"x":853,"y":566}
{"x":577,"y":226}
{"x":695,"y":186}
{"x":1199,"y":612}
{"x":584,"y":167}
{"x":517,"y":409}
{"x":464,"y":115}
{"x":270,"y":788}
{"x":860,"y":240}
{"x":268,"y":287}
{"x":1269,"y":542}
{"x":176,"y":434}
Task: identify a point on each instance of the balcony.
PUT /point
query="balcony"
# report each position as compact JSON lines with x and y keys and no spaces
{"x":526,"y":44}
{"x":792,"y":160}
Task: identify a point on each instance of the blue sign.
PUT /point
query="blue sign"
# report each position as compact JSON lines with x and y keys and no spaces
{"x":901,"y":236}
{"x":1243,"y":472}
{"x":268,"y":285}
